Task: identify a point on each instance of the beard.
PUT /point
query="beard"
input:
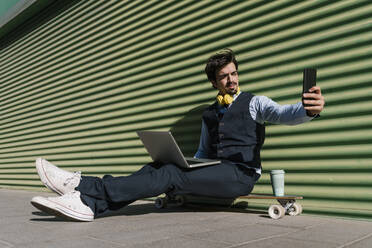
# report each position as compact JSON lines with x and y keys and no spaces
{"x":230,"y":90}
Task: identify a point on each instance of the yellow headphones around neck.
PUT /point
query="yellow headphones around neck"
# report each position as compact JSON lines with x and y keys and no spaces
{"x":226,"y":99}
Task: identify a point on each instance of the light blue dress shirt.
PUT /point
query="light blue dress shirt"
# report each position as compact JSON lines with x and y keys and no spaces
{"x":262,"y":109}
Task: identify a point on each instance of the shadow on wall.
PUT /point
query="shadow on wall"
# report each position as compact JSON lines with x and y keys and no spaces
{"x":186,"y":130}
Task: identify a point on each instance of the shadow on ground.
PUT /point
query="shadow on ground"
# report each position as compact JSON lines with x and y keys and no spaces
{"x":148,"y":208}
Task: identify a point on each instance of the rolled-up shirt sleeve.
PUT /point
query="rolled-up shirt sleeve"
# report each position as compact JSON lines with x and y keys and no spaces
{"x":263,"y":109}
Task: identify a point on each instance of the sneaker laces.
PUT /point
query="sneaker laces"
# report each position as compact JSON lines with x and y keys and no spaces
{"x":77,"y":174}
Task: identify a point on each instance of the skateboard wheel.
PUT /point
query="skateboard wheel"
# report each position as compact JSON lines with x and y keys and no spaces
{"x":276,"y":212}
{"x":295,"y":209}
{"x":160,"y":203}
{"x":180,"y":200}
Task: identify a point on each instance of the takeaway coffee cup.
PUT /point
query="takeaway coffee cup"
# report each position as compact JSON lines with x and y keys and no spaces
{"x":277,"y":182}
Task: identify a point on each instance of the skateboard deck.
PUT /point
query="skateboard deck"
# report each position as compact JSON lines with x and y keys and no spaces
{"x":287,"y":203}
{"x":267,"y":196}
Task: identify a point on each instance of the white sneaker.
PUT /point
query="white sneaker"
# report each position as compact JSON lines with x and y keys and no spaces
{"x":56,"y":179}
{"x":68,"y":206}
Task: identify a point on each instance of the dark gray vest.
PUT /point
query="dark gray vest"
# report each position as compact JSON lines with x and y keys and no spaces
{"x":235,"y":136}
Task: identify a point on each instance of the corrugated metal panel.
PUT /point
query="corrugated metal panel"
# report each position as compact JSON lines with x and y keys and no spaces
{"x":75,"y":89}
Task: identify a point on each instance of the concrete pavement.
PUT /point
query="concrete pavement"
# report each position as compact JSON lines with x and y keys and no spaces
{"x":142,"y":225}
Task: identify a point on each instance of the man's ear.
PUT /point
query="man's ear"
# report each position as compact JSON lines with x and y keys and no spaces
{"x":214,"y":84}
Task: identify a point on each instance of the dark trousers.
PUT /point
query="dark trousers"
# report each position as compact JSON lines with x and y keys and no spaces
{"x":225,"y":180}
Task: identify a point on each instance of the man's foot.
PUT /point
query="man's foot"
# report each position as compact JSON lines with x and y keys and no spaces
{"x":56,"y":179}
{"x":68,"y":206}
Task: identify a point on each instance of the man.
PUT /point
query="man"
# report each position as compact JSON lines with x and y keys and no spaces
{"x":232,"y":131}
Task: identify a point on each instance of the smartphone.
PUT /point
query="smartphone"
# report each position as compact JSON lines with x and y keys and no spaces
{"x":308,"y":82}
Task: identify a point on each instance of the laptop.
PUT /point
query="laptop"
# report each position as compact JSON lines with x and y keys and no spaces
{"x":163,"y":148}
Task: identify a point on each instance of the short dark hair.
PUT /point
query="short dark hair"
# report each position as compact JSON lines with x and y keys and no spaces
{"x":219,"y":60}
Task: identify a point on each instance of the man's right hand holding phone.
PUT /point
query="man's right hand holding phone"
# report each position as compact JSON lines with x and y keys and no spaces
{"x":316,"y":101}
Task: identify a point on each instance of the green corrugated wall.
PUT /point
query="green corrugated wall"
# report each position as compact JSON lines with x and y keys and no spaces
{"x":75,"y":89}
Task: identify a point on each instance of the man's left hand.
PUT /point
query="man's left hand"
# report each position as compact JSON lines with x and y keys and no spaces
{"x":317,"y":101}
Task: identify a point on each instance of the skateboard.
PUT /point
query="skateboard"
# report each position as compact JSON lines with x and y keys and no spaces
{"x":287,"y":203}
{"x":163,"y":202}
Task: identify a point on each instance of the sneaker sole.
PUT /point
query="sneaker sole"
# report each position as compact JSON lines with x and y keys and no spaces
{"x":44,"y":178}
{"x":59,"y":211}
